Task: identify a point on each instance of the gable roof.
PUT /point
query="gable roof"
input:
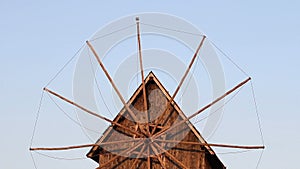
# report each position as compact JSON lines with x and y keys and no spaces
{"x":110,"y":134}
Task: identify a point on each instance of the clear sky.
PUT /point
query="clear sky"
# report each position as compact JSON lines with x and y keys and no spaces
{"x":38,"y":37}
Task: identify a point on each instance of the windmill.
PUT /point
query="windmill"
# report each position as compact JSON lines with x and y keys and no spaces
{"x":151,"y":130}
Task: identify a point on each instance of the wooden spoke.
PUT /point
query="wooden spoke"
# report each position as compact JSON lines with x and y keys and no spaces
{"x":92,"y":113}
{"x":84,"y":145}
{"x":148,"y":158}
{"x":171,"y":156}
{"x":202,"y":109}
{"x":113,"y":84}
{"x":62,"y":148}
{"x":158,"y":156}
{"x":188,"y":69}
{"x":182,"y":79}
{"x":128,"y":150}
{"x":211,"y":144}
{"x":142,"y":73}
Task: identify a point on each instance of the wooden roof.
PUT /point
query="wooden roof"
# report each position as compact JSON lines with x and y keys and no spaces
{"x":121,"y":148}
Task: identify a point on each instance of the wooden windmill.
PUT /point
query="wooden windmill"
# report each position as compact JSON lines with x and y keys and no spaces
{"x":181,"y":147}
{"x":151,"y":131}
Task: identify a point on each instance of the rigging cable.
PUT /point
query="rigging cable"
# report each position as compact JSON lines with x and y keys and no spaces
{"x":65,"y":65}
{"x":113,"y":32}
{"x":37,"y":117}
{"x":253,"y":95}
{"x":227,"y":101}
{"x":33,"y":160}
{"x":170,"y":29}
{"x":60,"y":158}
{"x":66,"y":114}
{"x":34,"y":127}
{"x":259,"y":124}
{"x":259,"y":159}
{"x":235,"y":152}
{"x":235,"y":64}
{"x":257,"y":114}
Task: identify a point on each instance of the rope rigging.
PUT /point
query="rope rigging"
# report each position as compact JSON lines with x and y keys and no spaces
{"x":65,"y":65}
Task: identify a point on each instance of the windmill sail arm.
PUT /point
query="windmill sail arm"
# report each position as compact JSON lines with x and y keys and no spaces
{"x":202,"y":109}
{"x":142,"y":72}
{"x":114,"y":85}
{"x":211,"y":144}
{"x":62,"y":148}
{"x":82,"y":146}
{"x":184,"y":76}
{"x":91,"y":112}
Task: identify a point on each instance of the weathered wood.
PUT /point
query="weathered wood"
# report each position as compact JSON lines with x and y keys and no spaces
{"x":130,"y":149}
{"x":187,"y":154}
{"x":90,"y":112}
{"x":158,"y":156}
{"x":171,"y":156}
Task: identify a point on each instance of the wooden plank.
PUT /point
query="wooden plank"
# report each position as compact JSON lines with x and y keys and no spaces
{"x":130,"y":149}
{"x":171,"y":156}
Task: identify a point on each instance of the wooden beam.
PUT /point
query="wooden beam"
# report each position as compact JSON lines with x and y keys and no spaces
{"x":82,"y":146}
{"x":183,"y":78}
{"x":188,"y":69}
{"x":202,"y":109}
{"x":148,"y":157}
{"x":113,"y":84}
{"x":90,"y":112}
{"x":61,"y":148}
{"x":171,"y":156}
{"x":142,"y":73}
{"x":210,"y":144}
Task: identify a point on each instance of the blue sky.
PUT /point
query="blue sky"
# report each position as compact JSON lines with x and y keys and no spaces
{"x":38,"y":37}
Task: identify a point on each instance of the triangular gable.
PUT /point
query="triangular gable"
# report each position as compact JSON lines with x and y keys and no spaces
{"x":111,"y":135}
